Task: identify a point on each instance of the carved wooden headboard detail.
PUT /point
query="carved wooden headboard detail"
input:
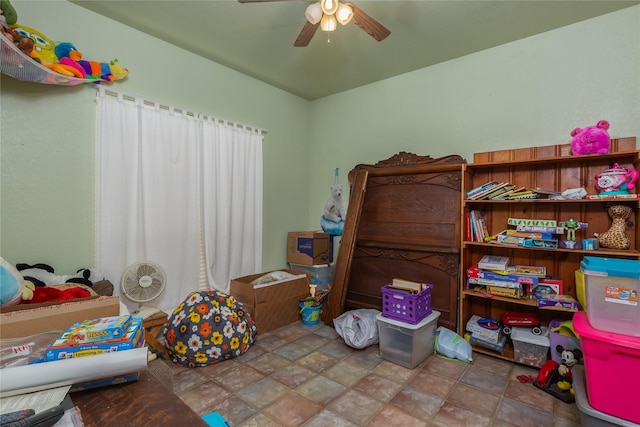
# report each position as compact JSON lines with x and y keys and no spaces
{"x":402,"y":221}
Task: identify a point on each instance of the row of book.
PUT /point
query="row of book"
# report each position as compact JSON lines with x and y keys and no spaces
{"x":476,"y":227}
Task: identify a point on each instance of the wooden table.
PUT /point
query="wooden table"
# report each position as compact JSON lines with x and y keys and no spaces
{"x":146,"y":402}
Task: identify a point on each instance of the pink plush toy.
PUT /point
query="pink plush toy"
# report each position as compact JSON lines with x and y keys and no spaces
{"x":591,"y":140}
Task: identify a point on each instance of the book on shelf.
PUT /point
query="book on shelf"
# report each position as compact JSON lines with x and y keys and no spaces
{"x":481,"y":188}
{"x":524,"y":194}
{"x":532,"y":222}
{"x":504,"y":196}
{"x":548,"y":193}
{"x":499,"y":191}
{"x":528,"y":234}
{"x":528,"y":270}
{"x":540,"y":229}
{"x":491,"y":282}
{"x":492,"y":262}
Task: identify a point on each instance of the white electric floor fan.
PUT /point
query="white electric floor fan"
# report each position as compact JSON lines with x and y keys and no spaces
{"x":142,"y":282}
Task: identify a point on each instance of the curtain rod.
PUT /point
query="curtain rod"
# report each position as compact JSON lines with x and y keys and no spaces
{"x":123,"y":96}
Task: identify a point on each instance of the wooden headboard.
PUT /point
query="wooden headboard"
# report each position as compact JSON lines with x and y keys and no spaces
{"x":402,"y":221}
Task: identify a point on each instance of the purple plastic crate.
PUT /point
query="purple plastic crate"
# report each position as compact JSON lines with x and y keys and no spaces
{"x":404,"y":306}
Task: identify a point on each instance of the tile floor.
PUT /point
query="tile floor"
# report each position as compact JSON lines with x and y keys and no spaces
{"x":302,"y":375}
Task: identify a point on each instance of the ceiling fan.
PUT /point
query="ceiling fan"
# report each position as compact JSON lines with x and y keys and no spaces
{"x":326,"y":13}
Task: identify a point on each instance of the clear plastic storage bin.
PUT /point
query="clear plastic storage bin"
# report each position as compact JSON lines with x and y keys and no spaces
{"x":406,"y":344}
{"x":612,"y":287}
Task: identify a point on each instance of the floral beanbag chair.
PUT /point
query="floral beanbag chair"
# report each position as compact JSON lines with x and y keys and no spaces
{"x":208,"y":327}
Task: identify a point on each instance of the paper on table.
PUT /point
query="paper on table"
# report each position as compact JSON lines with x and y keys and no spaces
{"x":42,"y":376}
{"x":38,"y":401}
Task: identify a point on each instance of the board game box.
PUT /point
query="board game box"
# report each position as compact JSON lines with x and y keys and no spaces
{"x":98,"y":329}
{"x":60,"y":349}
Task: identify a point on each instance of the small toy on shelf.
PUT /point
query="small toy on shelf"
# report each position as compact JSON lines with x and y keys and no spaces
{"x":509,"y":319}
{"x":616,"y":180}
{"x":591,"y":140}
{"x":571,"y":226}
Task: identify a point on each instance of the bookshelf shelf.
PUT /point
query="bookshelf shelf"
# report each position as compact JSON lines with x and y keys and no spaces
{"x":555,"y":169}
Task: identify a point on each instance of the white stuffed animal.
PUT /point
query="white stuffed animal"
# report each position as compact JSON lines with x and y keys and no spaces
{"x":334,"y":211}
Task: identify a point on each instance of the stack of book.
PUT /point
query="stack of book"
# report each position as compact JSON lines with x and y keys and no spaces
{"x":491,"y":190}
{"x":495,"y":276}
{"x":407,"y":286}
{"x":98,"y":336}
{"x":486,"y":332}
{"x":531,"y":233}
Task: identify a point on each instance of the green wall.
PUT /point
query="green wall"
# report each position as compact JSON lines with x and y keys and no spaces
{"x":530,"y":92}
{"x":48,"y":136}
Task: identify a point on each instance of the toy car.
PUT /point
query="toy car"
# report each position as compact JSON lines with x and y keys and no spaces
{"x":510,"y":318}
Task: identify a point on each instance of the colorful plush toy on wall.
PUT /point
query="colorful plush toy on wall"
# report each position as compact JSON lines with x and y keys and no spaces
{"x":105,"y":71}
{"x":591,"y":140}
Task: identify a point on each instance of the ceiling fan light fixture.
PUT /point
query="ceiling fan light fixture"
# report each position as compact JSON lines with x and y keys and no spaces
{"x":329,"y":7}
{"x":313,"y":13}
{"x":344,"y":13}
{"x":328,"y":23}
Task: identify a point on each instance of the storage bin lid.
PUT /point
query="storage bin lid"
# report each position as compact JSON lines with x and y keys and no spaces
{"x":584,"y":329}
{"x":522,"y":334}
{"x":430,"y":318}
{"x":599,"y":266}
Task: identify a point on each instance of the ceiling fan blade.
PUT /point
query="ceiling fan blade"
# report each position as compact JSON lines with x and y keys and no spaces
{"x":369,"y":24}
{"x":306,"y":34}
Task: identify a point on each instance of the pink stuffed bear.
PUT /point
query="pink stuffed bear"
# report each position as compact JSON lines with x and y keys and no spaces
{"x":591,"y":140}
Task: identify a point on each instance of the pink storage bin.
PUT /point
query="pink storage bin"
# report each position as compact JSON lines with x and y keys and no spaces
{"x":612,"y":368}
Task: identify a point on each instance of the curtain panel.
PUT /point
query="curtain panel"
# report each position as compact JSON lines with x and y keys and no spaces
{"x":180,"y":189}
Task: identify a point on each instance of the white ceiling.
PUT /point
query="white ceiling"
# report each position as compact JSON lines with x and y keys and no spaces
{"x":257,"y":38}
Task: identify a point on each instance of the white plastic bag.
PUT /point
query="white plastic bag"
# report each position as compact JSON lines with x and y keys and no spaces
{"x":358,"y":328}
{"x":452,"y":345}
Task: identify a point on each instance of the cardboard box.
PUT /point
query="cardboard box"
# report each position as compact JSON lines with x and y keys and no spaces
{"x":16,"y":323}
{"x":309,"y":247}
{"x":274,"y":304}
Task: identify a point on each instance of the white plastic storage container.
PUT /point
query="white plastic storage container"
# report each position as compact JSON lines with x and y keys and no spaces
{"x":612,"y":287}
{"x":528,"y":348}
{"x":406,"y":344}
{"x":319,"y":274}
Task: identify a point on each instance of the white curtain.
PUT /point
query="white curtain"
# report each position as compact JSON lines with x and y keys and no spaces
{"x":178,"y":189}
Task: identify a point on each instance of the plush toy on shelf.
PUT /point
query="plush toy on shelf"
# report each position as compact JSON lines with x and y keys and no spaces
{"x":591,"y":140}
{"x":615,"y":237}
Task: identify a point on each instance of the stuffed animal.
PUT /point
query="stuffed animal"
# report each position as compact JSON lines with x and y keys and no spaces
{"x":11,"y":284}
{"x":334,"y":211}
{"x":591,"y":140}
{"x":9,"y":13}
{"x":43,"y":47}
{"x":105,"y":71}
{"x":44,"y":275}
{"x":615,"y":237}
